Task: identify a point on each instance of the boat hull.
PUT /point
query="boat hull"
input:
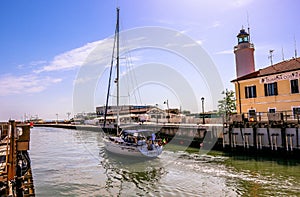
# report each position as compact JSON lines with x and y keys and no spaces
{"x":131,"y":150}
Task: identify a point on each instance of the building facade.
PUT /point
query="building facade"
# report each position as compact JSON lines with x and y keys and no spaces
{"x":268,"y":90}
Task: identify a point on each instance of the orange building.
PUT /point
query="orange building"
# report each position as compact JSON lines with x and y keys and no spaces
{"x":271,"y":89}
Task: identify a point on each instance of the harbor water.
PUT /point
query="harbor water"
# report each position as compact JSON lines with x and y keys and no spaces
{"x":75,"y":163}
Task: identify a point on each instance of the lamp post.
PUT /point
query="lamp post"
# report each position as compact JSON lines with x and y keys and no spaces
{"x":68,"y":114}
{"x":203,"y":119}
{"x":56,"y":118}
{"x":156,"y":113}
{"x":168,"y":117}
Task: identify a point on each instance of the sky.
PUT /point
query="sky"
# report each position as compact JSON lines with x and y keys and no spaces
{"x":47,"y":47}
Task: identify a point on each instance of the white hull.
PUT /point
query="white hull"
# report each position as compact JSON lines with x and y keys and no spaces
{"x":131,"y":150}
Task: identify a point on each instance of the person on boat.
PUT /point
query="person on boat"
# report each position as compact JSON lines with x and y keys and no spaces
{"x":150,"y":145}
{"x":153,"y":138}
{"x":140,"y":140}
{"x":135,"y":140}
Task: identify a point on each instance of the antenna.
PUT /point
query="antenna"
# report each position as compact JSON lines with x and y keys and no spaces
{"x":282,"y":53}
{"x":248,"y":26}
{"x":295,"y":47}
{"x":271,"y":56}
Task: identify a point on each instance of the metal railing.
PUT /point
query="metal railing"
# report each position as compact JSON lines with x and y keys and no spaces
{"x":280,"y":116}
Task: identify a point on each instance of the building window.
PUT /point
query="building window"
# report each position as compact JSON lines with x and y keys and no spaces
{"x":252,"y":115}
{"x":272,"y":110}
{"x":296,"y":111}
{"x":250,"y":92}
{"x":294,"y":86}
{"x":271,"y":89}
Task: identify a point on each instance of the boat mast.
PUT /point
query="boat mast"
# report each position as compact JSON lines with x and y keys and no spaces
{"x":111,"y":68}
{"x":118,"y":72}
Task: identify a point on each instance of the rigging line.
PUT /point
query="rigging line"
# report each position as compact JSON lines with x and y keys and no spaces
{"x":132,"y":77}
{"x":127,"y":64}
{"x":111,"y":95}
{"x":127,"y":78}
{"x":139,"y":94}
{"x":110,"y":73}
{"x":125,"y":52}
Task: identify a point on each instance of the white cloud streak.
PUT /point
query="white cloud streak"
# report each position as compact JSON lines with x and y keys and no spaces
{"x":26,"y":84}
{"x":225,"y":52}
{"x":70,"y":59}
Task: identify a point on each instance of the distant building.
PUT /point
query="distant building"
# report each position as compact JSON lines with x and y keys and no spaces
{"x":139,"y":113}
{"x":124,"y":109}
{"x":271,"y":89}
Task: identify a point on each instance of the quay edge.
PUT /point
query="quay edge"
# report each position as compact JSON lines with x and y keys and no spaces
{"x":275,"y":138}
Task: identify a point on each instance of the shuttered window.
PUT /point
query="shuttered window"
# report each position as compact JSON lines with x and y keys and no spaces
{"x":250,"y":92}
{"x":271,"y":89}
{"x":294,"y":86}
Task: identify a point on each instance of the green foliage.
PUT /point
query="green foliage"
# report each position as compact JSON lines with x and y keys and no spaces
{"x":227,"y":104}
{"x":185,"y":112}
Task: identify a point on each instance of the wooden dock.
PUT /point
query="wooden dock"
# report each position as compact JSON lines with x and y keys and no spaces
{"x":15,"y":170}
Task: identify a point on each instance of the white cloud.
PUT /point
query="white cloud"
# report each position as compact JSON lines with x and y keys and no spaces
{"x":225,"y":52}
{"x":240,"y":3}
{"x":14,"y":85}
{"x":70,"y":59}
{"x":36,"y":63}
{"x":215,"y":24}
{"x":200,"y":42}
{"x":83,"y":80}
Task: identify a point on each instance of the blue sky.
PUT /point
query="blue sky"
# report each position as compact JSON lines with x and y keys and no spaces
{"x":45,"y":43}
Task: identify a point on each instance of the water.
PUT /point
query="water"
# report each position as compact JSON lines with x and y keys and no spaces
{"x":74,"y":163}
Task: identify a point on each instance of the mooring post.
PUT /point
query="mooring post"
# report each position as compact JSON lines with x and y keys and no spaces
{"x":269,"y":138}
{"x":254,"y":131}
{"x":286,"y":142}
{"x":297,"y":136}
{"x":283,"y":134}
{"x":291,"y":141}
{"x":272,"y":142}
{"x":11,"y":159}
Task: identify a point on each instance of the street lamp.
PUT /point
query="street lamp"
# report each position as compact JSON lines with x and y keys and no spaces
{"x":203,"y":119}
{"x":56,"y":118}
{"x":156,"y":113}
{"x":68,"y":114}
{"x":168,"y":117}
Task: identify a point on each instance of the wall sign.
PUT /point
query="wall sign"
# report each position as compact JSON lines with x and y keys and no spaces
{"x":279,"y":77}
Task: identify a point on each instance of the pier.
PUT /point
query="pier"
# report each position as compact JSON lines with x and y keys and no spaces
{"x":15,"y":169}
{"x":275,"y":133}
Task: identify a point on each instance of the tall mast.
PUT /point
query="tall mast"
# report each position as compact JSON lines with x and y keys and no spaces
{"x":118,"y":72}
{"x":111,"y":67}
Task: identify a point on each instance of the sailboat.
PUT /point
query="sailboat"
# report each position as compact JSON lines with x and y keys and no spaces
{"x":136,"y":143}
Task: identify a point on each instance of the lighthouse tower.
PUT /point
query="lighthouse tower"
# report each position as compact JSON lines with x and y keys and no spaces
{"x":244,"y":54}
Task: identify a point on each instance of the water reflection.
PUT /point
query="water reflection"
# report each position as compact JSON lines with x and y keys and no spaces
{"x":134,"y":175}
{"x":265,"y":176}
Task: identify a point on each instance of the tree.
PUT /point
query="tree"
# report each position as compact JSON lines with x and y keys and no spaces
{"x":227,"y":104}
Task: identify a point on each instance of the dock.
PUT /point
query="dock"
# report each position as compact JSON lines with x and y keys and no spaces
{"x":15,"y":166}
{"x":272,"y":133}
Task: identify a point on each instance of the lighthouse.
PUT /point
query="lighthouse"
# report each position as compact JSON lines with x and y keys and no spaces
{"x":244,"y":54}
